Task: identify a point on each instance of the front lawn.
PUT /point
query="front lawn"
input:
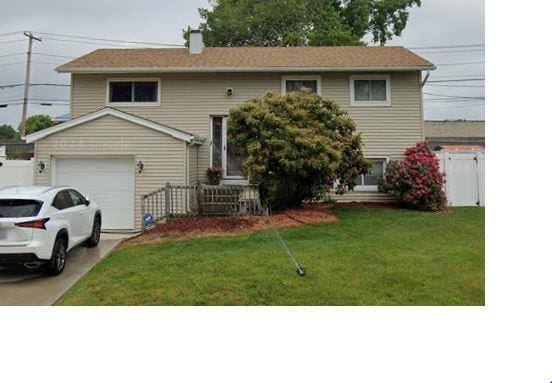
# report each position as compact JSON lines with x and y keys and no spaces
{"x":371,"y":256}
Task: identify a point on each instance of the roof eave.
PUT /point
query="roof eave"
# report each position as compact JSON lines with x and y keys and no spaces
{"x":92,"y":70}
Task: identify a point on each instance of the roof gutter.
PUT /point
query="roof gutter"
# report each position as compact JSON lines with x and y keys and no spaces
{"x":92,"y":70}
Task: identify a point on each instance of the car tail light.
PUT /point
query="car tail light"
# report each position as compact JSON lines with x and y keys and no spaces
{"x":38,"y":224}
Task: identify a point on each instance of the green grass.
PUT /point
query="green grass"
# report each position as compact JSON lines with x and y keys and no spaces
{"x":369,"y":257}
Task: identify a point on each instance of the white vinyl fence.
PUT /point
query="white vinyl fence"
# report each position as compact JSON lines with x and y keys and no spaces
{"x":464,"y":177}
{"x":15,"y":172}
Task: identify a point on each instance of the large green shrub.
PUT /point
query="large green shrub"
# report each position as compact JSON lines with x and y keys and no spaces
{"x":416,"y":180}
{"x":296,"y":146}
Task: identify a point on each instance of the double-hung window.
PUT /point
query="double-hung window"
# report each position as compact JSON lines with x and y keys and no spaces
{"x":133,"y":92}
{"x":370,"y":91}
{"x":294,"y":84}
{"x":370,"y":180}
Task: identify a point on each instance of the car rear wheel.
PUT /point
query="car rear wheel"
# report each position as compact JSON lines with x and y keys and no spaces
{"x":59,"y":257}
{"x":96,"y":232}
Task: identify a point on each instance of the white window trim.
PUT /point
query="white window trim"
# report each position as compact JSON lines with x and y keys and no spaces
{"x":303,"y":78}
{"x":133,"y":79}
{"x":374,"y":187}
{"x":387,"y":79}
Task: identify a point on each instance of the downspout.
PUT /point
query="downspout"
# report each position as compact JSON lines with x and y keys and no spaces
{"x":426,"y":77}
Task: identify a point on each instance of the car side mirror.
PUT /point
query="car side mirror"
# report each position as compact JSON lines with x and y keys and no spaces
{"x":87,"y":201}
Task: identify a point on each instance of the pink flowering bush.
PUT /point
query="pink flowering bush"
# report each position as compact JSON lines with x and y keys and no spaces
{"x":416,"y":180}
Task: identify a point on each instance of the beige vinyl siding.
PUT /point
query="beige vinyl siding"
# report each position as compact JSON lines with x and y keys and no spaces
{"x":164,"y":157}
{"x":188,"y":101}
{"x":386,"y":130}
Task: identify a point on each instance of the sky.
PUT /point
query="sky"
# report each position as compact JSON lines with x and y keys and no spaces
{"x":436,"y":23}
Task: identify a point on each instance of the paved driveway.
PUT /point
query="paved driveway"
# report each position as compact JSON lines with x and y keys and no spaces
{"x":33,"y":289}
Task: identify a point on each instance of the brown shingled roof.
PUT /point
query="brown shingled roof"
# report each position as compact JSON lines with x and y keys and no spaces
{"x":249,"y":58}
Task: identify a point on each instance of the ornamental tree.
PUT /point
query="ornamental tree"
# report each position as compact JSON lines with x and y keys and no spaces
{"x":296,"y":146}
{"x":416,"y":180}
{"x":302,"y":22}
{"x":37,"y":123}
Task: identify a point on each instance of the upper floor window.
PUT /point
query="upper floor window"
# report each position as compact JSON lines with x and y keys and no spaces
{"x":370,"y":91}
{"x":135,"y":92}
{"x":294,"y":84}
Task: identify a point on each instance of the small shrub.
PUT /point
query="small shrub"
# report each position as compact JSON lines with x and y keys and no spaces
{"x":416,"y":180}
{"x":214,"y":175}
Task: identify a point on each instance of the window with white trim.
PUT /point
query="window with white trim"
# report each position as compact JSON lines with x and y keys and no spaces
{"x":294,"y":84}
{"x":370,"y":180}
{"x":370,"y":91}
{"x":139,"y":92}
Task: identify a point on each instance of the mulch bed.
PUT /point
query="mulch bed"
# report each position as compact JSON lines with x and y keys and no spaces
{"x":210,"y":226}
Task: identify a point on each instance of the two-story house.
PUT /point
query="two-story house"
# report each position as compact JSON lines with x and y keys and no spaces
{"x":143,"y":117}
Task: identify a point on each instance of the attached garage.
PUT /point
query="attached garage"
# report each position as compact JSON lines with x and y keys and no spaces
{"x":115,"y":158}
{"x":108,"y":180}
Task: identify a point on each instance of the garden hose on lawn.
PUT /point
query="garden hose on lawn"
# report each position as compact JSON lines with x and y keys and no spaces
{"x":300,"y":269}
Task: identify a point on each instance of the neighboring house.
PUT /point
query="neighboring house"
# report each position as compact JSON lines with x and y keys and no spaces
{"x":459,"y":133}
{"x":143,"y":117}
{"x":60,"y":119}
{"x":18,"y":149}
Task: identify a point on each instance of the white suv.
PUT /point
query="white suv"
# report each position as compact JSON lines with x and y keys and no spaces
{"x":38,"y":225}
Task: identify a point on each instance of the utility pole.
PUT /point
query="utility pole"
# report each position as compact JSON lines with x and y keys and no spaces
{"x":27,"y":79}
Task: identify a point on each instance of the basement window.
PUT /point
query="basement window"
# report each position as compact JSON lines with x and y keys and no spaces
{"x":139,"y":92}
{"x":370,"y":180}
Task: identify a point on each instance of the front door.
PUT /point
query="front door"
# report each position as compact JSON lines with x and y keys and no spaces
{"x":224,"y":155}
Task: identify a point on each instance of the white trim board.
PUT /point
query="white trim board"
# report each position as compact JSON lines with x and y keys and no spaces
{"x":183,"y":136}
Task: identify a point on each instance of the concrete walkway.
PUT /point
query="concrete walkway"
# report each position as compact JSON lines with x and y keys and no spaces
{"x":33,"y":289}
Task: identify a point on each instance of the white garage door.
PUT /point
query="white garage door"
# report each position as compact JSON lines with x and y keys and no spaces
{"x":108,"y":180}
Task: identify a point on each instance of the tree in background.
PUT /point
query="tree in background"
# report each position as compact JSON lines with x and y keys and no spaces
{"x":416,"y":180}
{"x":296,"y":146}
{"x":8,"y":133}
{"x":302,"y":22}
{"x":37,"y":123}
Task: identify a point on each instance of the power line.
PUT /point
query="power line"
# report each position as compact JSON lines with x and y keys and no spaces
{"x":180,"y":45}
{"x":17,"y":63}
{"x":34,"y":62}
{"x":465,"y":63}
{"x":110,"y":40}
{"x":452,"y":96}
{"x":457,"y":86}
{"x":459,"y":51}
{"x":452,"y":100}
{"x":10,"y":33}
{"x":456,"y":80}
{"x":14,"y":54}
{"x":36,"y":84}
{"x":454,"y":106}
{"x":46,"y":63}
{"x":449,"y":46}
{"x":85,"y":42}
{"x":49,"y":55}
{"x":55,"y":103}
{"x":12,"y":41}
{"x":34,"y":99}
